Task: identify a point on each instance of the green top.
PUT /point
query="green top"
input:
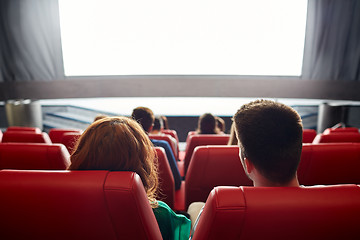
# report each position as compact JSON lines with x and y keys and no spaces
{"x":172,"y":226}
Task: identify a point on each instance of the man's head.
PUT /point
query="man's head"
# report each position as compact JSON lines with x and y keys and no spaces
{"x":270,"y":138}
{"x":144,"y":116}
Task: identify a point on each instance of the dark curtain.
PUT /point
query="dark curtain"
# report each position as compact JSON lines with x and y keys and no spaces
{"x":332,"y":45}
{"x":30,"y":43}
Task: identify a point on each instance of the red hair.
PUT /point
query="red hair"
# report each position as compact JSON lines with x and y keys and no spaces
{"x":117,"y":144}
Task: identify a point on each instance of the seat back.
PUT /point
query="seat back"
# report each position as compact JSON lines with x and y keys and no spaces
{"x":24,"y":129}
{"x":75,"y":205}
{"x":166,"y":190}
{"x":327,"y":212}
{"x":337,"y":137}
{"x":329,"y":163}
{"x":213,"y":166}
{"x":70,"y":139}
{"x":202,"y":140}
{"x":308,"y":135}
{"x":26,"y":136}
{"x":172,"y":133}
{"x":56,"y":134}
{"x":341,"y":130}
{"x":167,"y":139}
{"x":33,"y":156}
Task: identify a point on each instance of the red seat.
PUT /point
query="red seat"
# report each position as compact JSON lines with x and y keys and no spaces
{"x":75,"y":205}
{"x":330,"y":163}
{"x":24,"y":129}
{"x":308,"y":135}
{"x":33,"y":156}
{"x":337,"y":137}
{"x":213,"y":166}
{"x":166,"y":191}
{"x":167,"y":139}
{"x":202,"y":140}
{"x":56,"y":134}
{"x":70,"y":139}
{"x":341,"y":130}
{"x":252,"y":213}
{"x":26,"y":136}
{"x":172,"y":133}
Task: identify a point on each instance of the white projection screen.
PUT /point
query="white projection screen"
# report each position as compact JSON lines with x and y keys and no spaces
{"x":183,"y":37}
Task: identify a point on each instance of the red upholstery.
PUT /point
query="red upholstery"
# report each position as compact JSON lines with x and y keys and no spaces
{"x":33,"y":156}
{"x":167,"y":139}
{"x":75,"y":205}
{"x":69,"y":139}
{"x":213,"y":166}
{"x":56,"y":134}
{"x":337,"y":137}
{"x":24,"y":129}
{"x":330,"y":163}
{"x":166,"y":191}
{"x":253,"y":213}
{"x":202,"y":140}
{"x":341,"y":130}
{"x":172,"y":133}
{"x":26,"y":136}
{"x":308,"y":135}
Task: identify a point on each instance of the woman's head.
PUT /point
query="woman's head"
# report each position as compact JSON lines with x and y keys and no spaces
{"x":117,"y":144}
{"x":207,"y":124}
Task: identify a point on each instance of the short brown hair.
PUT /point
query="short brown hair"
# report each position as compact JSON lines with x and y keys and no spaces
{"x":117,"y":144}
{"x":270,"y":136}
{"x":144,"y":116}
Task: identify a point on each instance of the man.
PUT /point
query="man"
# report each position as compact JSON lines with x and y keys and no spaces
{"x":270,"y":139}
{"x":145,"y":117}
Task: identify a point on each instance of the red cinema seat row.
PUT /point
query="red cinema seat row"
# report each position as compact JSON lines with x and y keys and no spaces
{"x":172,"y":133}
{"x":252,"y":213}
{"x":341,"y":130}
{"x":75,"y":205}
{"x":329,"y":163}
{"x":202,"y":140}
{"x":26,"y":136}
{"x":166,"y":192}
{"x":24,"y":129}
{"x":308,"y":135}
{"x":213,"y":166}
{"x":56,"y":134}
{"x":33,"y":156}
{"x":337,"y":137}
{"x":70,"y":139}
{"x":168,"y":140}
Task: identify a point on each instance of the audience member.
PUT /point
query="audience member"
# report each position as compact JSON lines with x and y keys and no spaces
{"x":165,"y":121}
{"x":270,"y":139}
{"x":120,"y":144}
{"x":157,"y":130}
{"x":100,"y":116}
{"x":220,"y":124}
{"x":207,"y":124}
{"x":233,"y":139}
{"x":145,"y":117}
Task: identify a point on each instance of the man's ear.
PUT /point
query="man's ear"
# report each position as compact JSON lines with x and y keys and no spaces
{"x":249,"y":165}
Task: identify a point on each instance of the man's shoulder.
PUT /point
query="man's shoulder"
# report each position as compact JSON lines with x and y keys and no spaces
{"x":160,"y":143}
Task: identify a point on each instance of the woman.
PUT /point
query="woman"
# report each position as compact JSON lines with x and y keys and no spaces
{"x":120,"y":144}
{"x":207,"y":124}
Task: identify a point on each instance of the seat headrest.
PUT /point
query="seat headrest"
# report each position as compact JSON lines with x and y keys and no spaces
{"x":75,"y":205}
{"x":325,"y":212}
